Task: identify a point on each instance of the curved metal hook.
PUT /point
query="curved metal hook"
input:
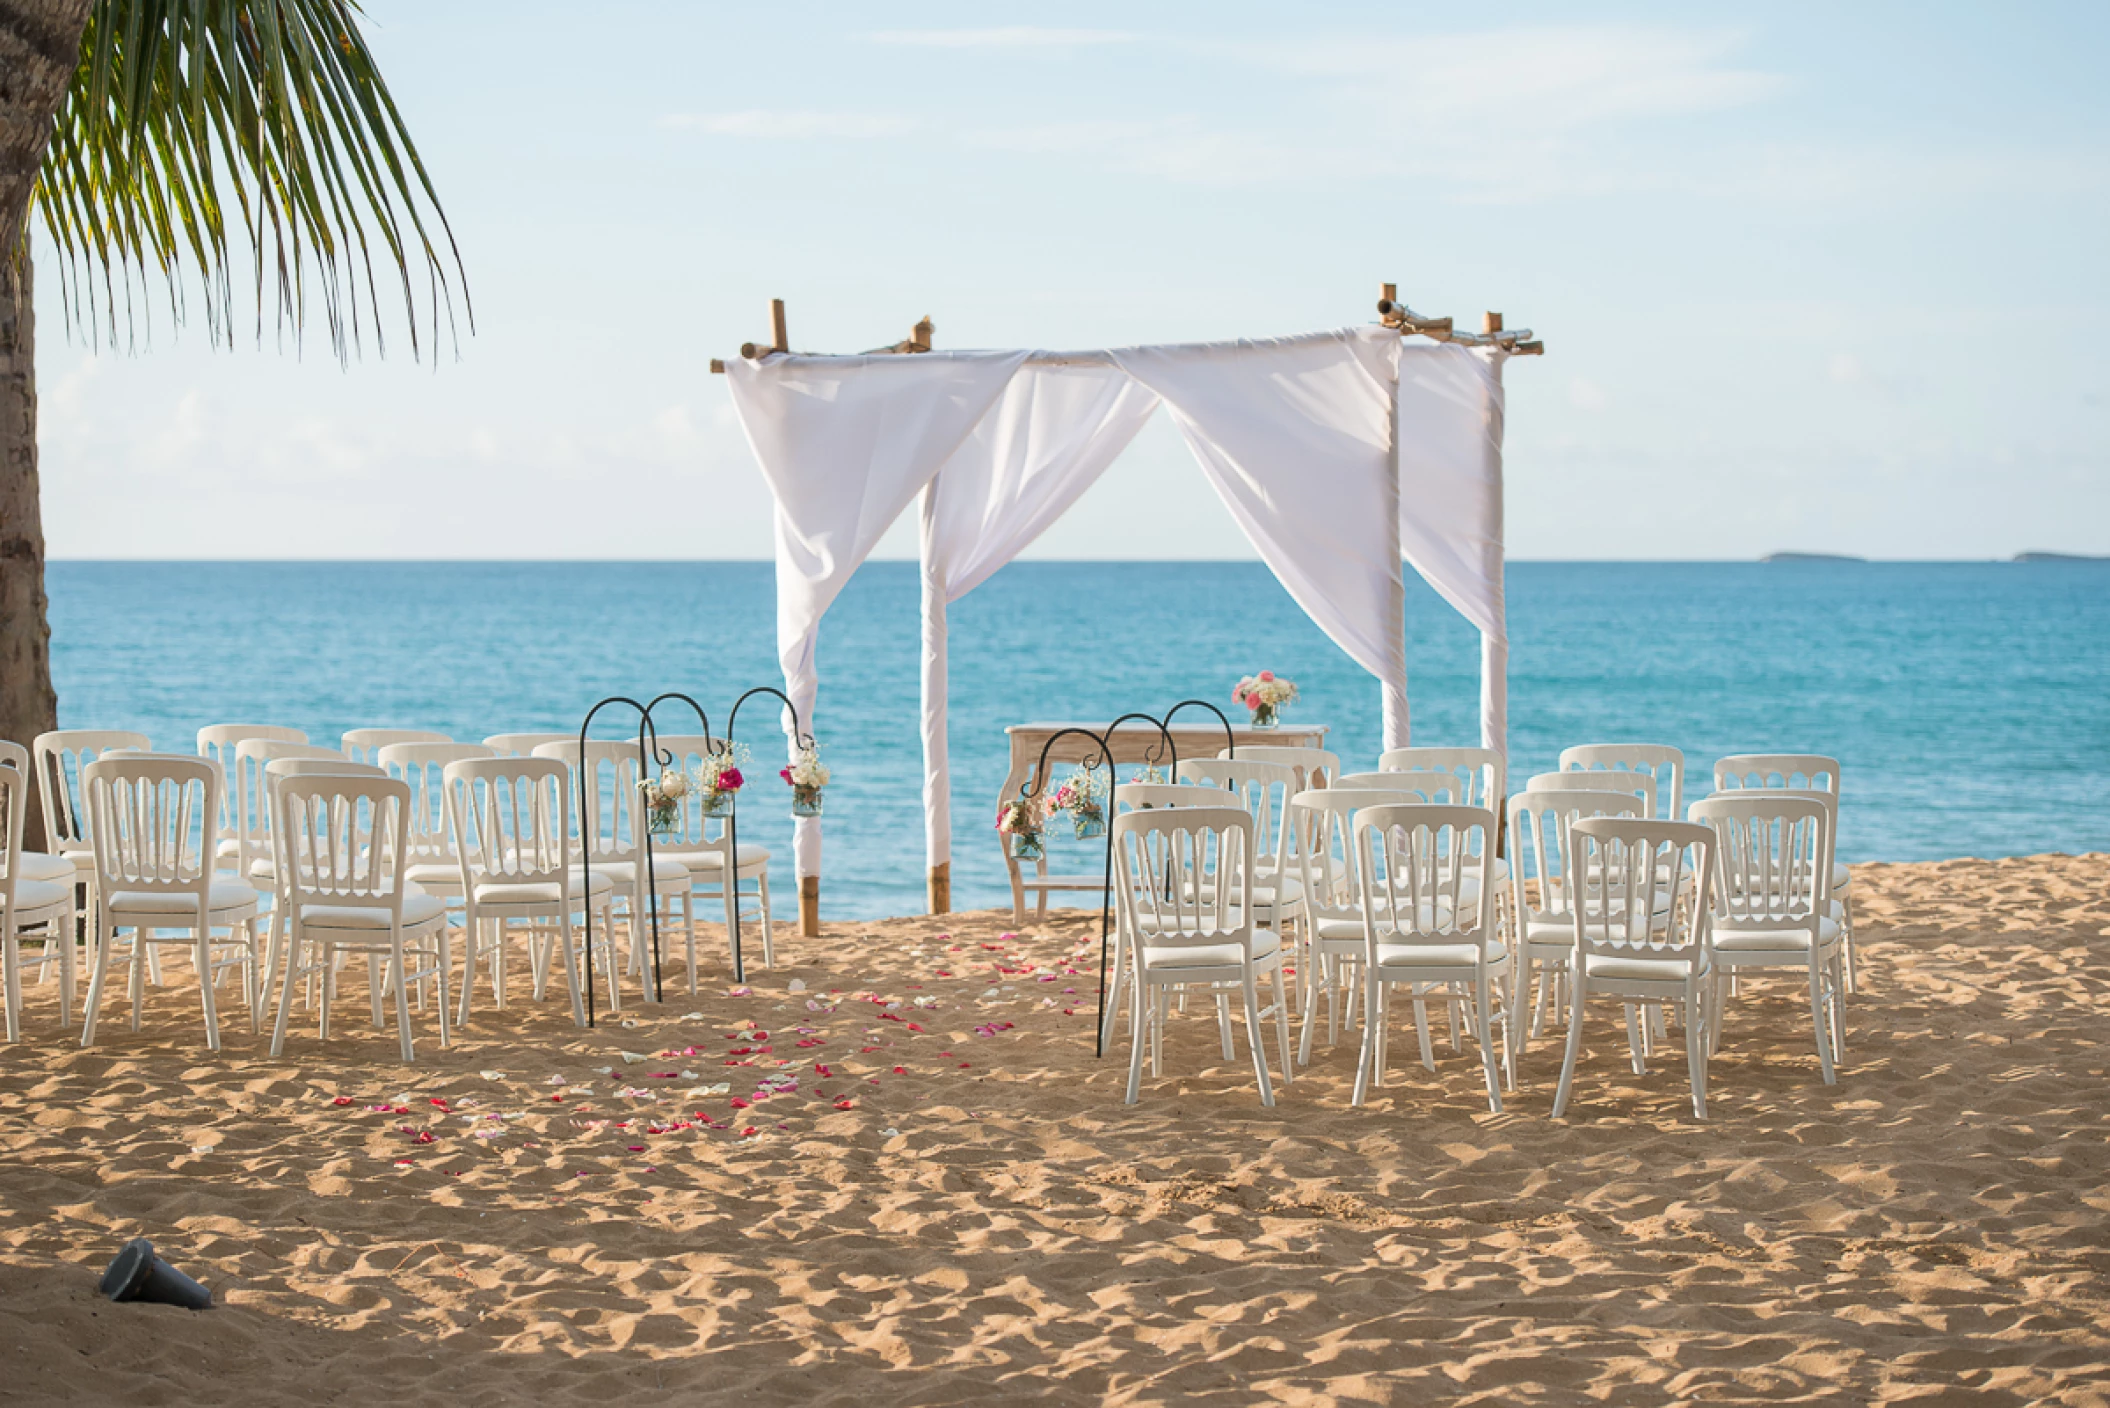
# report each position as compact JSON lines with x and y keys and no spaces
{"x":1040,"y":769}
{"x":661,"y":755}
{"x":798,"y":730}
{"x":586,"y":828}
{"x":1150,"y":759}
{"x":1230,"y":739}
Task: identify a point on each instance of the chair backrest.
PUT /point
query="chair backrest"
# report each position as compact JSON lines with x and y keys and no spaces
{"x":1773,"y":858}
{"x":503,"y":819}
{"x":422,"y":767}
{"x":361,"y":744}
{"x":1482,"y":768}
{"x":1422,"y":873}
{"x":1315,"y":767}
{"x":252,"y":790}
{"x":14,"y":788}
{"x":607,"y":775}
{"x":1541,"y":852}
{"x":1644,"y":885}
{"x":339,"y":836}
{"x":522,"y":745}
{"x":1183,"y":876}
{"x":1658,"y":760}
{"x":1752,"y":771}
{"x":61,"y":755}
{"x":218,"y":741}
{"x":151,"y":819}
{"x":1322,"y":821}
{"x":1144,"y":796}
{"x":1264,"y":789}
{"x":1624,"y":781}
{"x":1430,"y":786}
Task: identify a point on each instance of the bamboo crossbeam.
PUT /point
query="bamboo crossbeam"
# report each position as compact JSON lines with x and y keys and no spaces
{"x":1395,"y":314}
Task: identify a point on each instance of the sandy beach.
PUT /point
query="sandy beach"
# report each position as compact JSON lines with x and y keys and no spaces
{"x":796,"y":1193}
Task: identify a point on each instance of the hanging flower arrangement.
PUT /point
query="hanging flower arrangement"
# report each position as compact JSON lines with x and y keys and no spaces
{"x":1021,"y":821}
{"x":718,"y":777}
{"x":807,"y":775}
{"x":1083,"y":796}
{"x":1265,"y":696}
{"x":662,"y":797}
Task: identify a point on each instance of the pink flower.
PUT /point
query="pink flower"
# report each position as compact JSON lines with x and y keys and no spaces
{"x":784,"y":773}
{"x":1266,"y":675}
{"x":730,"y":780}
{"x":1238,"y":695}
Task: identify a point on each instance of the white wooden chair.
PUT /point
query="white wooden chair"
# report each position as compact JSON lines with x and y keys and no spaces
{"x":1264,"y":790}
{"x":1801,"y":772}
{"x":608,"y":774}
{"x":523,"y":745}
{"x":1641,"y":934}
{"x":60,"y":757}
{"x":152,"y":817}
{"x":1149,"y":796}
{"x":705,"y":849}
{"x":218,"y":742}
{"x":429,"y":851}
{"x":506,"y":828}
{"x":1623,"y":781}
{"x":28,"y":903}
{"x":343,"y":859}
{"x":1315,"y":767}
{"x":1483,"y":771}
{"x":1772,"y":899}
{"x":1183,"y":877}
{"x":1661,"y":762}
{"x":1543,"y":889}
{"x":256,"y":858}
{"x":364,"y":745}
{"x":1424,"y":927}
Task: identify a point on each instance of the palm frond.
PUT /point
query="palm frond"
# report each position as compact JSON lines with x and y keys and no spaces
{"x":194,"y":128}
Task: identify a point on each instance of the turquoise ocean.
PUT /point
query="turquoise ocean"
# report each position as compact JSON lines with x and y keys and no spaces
{"x":1969,"y":703}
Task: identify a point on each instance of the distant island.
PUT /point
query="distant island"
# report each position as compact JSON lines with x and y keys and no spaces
{"x":2057,"y":557}
{"x":1810,"y":557}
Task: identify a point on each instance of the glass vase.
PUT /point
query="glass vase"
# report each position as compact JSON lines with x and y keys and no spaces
{"x":1090,"y":825}
{"x":1028,"y":846}
{"x":1266,"y":716}
{"x":716,"y":803}
{"x":805,"y":801}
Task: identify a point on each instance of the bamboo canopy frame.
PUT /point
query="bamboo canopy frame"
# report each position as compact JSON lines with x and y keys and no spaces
{"x":1392,"y":313}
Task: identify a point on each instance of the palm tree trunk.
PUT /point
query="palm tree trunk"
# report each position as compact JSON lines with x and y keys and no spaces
{"x":40,"y":46}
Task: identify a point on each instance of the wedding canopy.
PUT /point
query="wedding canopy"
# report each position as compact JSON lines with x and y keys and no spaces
{"x":1338,"y":453}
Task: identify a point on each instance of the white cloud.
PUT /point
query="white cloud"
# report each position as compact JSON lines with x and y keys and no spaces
{"x":1009,"y":37}
{"x":790,"y":124}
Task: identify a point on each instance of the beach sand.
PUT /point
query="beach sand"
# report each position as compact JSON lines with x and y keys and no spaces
{"x":1930,"y":1229}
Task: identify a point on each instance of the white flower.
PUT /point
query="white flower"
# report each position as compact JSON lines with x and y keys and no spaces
{"x":673,"y":784}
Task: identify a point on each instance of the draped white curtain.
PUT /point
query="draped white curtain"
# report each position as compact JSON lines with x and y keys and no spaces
{"x":1047,"y":439}
{"x":1337,"y":453}
{"x":1450,"y":500}
{"x":846,"y":443}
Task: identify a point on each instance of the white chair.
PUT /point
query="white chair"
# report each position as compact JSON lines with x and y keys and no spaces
{"x":1183,"y":877}
{"x":1424,"y":927}
{"x":36,"y":865}
{"x":1641,"y":934}
{"x":255,"y":857}
{"x":1315,"y":767}
{"x":1804,"y":772}
{"x":1772,"y":899}
{"x":28,"y":903}
{"x":1483,"y":771}
{"x":1661,"y":762}
{"x":342,"y":862}
{"x":1264,"y":790}
{"x":1624,"y":782}
{"x":607,"y":775}
{"x":218,"y":742}
{"x":1330,"y":940}
{"x":505,"y":824}
{"x":61,"y":756}
{"x":422,"y":767}
{"x":1149,"y":796}
{"x":706,"y":856}
{"x":1542,"y":890}
{"x":523,"y":745}
{"x":152,"y":817}
{"x":364,"y":745}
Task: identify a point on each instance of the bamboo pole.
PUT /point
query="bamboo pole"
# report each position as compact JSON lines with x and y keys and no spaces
{"x":776,"y":325}
{"x":810,"y":906}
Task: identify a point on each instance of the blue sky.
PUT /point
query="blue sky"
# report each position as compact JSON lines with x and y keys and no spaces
{"x":1811,"y":276}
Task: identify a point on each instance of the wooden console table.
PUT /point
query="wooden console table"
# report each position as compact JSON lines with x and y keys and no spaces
{"x":1132,"y":743}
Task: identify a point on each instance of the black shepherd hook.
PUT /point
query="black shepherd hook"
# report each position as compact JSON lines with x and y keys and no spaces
{"x":661,"y":758}
{"x":799,"y":738}
{"x":587,"y":829}
{"x":1172,"y":753}
{"x":1230,"y":740}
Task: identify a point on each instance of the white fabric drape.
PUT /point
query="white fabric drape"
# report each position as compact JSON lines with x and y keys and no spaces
{"x":1295,"y":434}
{"x":1048,"y":438}
{"x":846,"y":443}
{"x":1450,"y":500}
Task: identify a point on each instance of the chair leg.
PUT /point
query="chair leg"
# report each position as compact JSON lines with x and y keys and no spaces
{"x":1696,"y":1050}
{"x":1223,"y":1023}
{"x":1282,"y":1025}
{"x":1817,"y":1020}
{"x":290,"y":975}
{"x":1483,"y":1012}
{"x":444,"y":947}
{"x":1138,"y":1036}
{"x":141,"y":952}
{"x":99,"y":946}
{"x":11,"y":963}
{"x":1421,"y":1031}
{"x":1366,"y":1052}
{"x":1633,"y":1042}
{"x":1116,"y":986}
{"x":571,"y":967}
{"x":1309,"y":991}
{"x":1578,"y":989}
{"x":1251,"y":993}
{"x":398,"y":971}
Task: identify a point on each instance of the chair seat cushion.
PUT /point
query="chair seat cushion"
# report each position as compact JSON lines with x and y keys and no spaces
{"x":1265,"y":944}
{"x":1841,"y":876}
{"x":418,"y":909}
{"x":665,"y":871}
{"x":1464,"y":954}
{"x":59,"y":870}
{"x":435,"y":874}
{"x":713,"y":860}
{"x":33,"y":896}
{"x":497,"y":892}
{"x":1731,"y":940}
{"x":1622,"y":968}
{"x":226,"y":897}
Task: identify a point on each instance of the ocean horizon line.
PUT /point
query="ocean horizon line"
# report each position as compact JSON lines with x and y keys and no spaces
{"x":2041,"y":558}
